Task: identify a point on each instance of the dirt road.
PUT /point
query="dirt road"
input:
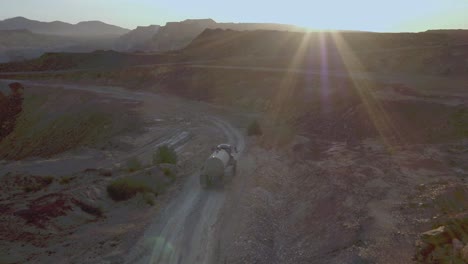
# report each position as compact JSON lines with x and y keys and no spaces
{"x":184,"y":230}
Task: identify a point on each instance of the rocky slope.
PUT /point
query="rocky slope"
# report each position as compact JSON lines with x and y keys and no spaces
{"x":176,"y":35}
{"x":135,"y":39}
{"x":423,"y":53}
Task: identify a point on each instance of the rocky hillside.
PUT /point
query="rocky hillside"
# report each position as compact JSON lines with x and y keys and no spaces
{"x":136,"y":39}
{"x":423,"y":53}
{"x":176,"y":35}
{"x":408,"y":53}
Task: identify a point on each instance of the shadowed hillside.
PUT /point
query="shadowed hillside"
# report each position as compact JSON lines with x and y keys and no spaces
{"x":96,"y":59}
{"x":136,"y":39}
{"x":415,"y":53}
{"x":422,"y":53}
{"x":177,"y":35}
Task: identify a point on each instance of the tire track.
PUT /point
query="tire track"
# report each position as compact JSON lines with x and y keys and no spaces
{"x":185,"y":230}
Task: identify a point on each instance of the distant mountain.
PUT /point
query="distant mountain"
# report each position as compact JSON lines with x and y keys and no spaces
{"x":177,"y":35}
{"x":17,"y":45}
{"x":23,"y":44}
{"x":82,"y":29}
{"x":136,"y":39}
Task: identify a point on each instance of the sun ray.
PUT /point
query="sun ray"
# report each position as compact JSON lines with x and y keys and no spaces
{"x":289,"y":81}
{"x":379,"y":117}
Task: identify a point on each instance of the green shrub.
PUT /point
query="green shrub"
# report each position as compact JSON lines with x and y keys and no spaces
{"x":133,"y":165}
{"x":149,"y":199}
{"x":47,"y":180}
{"x":41,"y":182}
{"x":125,"y":188}
{"x":168,"y":173}
{"x":254,"y":129}
{"x":66,"y":180}
{"x":165,"y":154}
{"x":32,"y":188}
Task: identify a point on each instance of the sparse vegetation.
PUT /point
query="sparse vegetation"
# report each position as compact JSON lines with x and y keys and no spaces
{"x":32,"y":188}
{"x":66,"y":180}
{"x":105,"y":172}
{"x":165,"y":154}
{"x":125,"y":188}
{"x":134,"y":164}
{"x":48,"y":179}
{"x":56,"y":121}
{"x":254,"y":129}
{"x":61,"y":134}
{"x":39,"y":184}
{"x":149,"y":198}
{"x":168,"y":173}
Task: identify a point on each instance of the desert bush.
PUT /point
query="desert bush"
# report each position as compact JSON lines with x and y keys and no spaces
{"x":66,"y":180}
{"x":254,"y":129}
{"x":134,"y":164}
{"x":48,"y":179}
{"x":125,"y":188}
{"x":39,"y":184}
{"x":165,"y":154}
{"x":32,"y":188}
{"x":149,"y":198}
{"x":168,"y":173}
{"x":105,"y":172}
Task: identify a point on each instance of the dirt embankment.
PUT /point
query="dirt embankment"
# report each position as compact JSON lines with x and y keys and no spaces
{"x":53,"y":121}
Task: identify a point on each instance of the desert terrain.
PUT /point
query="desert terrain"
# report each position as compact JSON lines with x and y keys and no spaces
{"x":359,"y":152}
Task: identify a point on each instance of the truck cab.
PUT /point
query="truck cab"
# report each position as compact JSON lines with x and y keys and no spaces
{"x":228,"y":148}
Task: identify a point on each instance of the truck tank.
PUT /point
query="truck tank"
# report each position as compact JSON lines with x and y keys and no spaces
{"x":213,"y":171}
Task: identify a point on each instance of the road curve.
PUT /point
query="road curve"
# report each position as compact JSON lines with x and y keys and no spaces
{"x":184,"y":230}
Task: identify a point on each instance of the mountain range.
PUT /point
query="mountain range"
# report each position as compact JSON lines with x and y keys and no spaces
{"x":177,"y":35}
{"x":22,"y":38}
{"x":82,"y":29}
{"x":136,"y":39}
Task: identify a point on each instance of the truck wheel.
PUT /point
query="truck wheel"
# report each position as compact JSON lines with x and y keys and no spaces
{"x":204,"y":181}
{"x":209,"y":182}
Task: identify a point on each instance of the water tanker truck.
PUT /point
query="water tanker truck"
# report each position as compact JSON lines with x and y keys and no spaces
{"x":214,"y":169}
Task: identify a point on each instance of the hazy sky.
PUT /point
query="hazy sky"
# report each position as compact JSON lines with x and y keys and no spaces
{"x":374,"y":15}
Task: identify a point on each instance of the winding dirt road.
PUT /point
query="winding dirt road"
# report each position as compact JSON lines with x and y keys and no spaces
{"x":185,"y":231}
